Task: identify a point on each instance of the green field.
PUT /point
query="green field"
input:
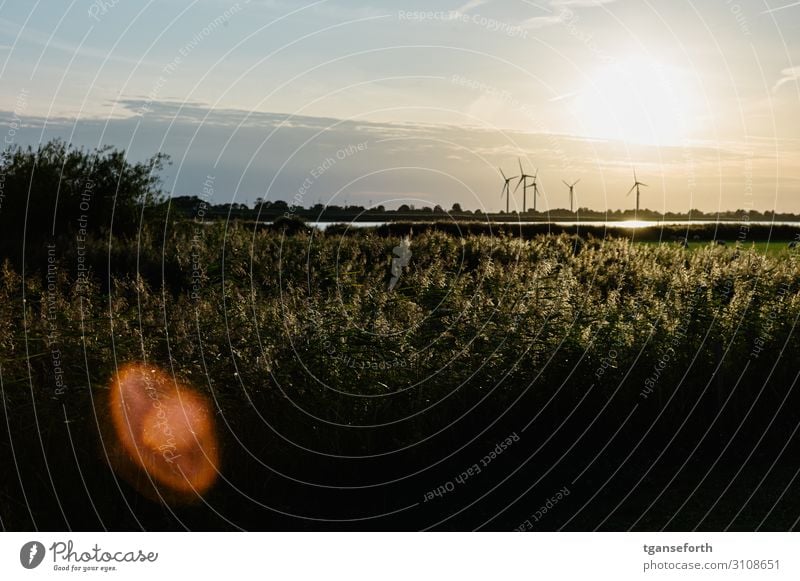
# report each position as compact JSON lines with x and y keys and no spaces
{"x":778,"y":249}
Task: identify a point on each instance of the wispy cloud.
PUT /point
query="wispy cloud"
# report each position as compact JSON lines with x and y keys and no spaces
{"x":560,"y":11}
{"x":544,"y":21}
{"x":779,"y":8}
{"x":563,"y":97}
{"x":470,"y":5}
{"x":34,"y":36}
{"x":581,"y":3}
{"x":791,"y":75}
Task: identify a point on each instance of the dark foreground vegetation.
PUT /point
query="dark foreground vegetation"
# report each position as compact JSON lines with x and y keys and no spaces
{"x":340,"y":400}
{"x":618,"y":385}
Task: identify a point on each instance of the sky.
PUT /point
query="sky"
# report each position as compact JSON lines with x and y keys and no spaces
{"x":341,"y":101}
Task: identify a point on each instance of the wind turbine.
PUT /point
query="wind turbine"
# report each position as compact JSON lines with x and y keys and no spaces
{"x":571,"y":193}
{"x":636,"y":184}
{"x":523,"y":181}
{"x":506,"y":188}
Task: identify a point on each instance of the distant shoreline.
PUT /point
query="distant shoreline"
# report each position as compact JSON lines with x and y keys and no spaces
{"x":499,"y":218}
{"x":524,"y":219}
{"x":728,"y":232}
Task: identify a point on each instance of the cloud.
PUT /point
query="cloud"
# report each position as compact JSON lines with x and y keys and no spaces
{"x":48,"y":41}
{"x":563,"y":97}
{"x":581,"y":3}
{"x":560,"y":12}
{"x":271,"y":155}
{"x":771,"y":10}
{"x":471,"y":4}
{"x":791,"y":75}
{"x":543,"y":21}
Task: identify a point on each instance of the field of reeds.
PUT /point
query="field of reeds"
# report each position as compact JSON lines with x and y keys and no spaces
{"x":655,"y":383}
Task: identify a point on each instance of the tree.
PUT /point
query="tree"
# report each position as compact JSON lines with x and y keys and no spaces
{"x":59,"y":191}
{"x":456,"y":208}
{"x":184,"y":204}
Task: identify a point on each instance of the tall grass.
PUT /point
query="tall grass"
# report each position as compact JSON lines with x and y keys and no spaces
{"x":302,"y":346}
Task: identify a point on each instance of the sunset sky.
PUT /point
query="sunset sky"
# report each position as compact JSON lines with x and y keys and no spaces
{"x":701,"y":97}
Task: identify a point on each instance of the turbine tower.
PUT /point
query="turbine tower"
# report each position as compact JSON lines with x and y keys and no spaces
{"x":636,"y":185}
{"x":571,"y":193}
{"x":523,"y":181}
{"x":506,"y":188}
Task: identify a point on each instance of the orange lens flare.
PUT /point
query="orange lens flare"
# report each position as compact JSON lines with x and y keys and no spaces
{"x":164,"y":438}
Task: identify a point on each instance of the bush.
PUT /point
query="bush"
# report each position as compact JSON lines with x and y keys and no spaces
{"x":58,"y":192}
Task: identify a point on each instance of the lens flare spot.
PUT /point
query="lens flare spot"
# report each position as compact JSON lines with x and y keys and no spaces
{"x":163,"y":435}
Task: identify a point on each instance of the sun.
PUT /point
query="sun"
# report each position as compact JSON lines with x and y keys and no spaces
{"x":639,"y":101}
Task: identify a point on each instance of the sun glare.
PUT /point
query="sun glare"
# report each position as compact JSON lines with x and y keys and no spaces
{"x":637,"y":101}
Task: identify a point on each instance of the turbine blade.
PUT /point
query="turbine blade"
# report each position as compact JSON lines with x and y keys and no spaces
{"x":645,"y":185}
{"x":519,"y":183}
{"x":521,"y":171}
{"x":630,"y":190}
{"x":566,"y":184}
{"x":575,"y":184}
{"x":502,"y":174}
